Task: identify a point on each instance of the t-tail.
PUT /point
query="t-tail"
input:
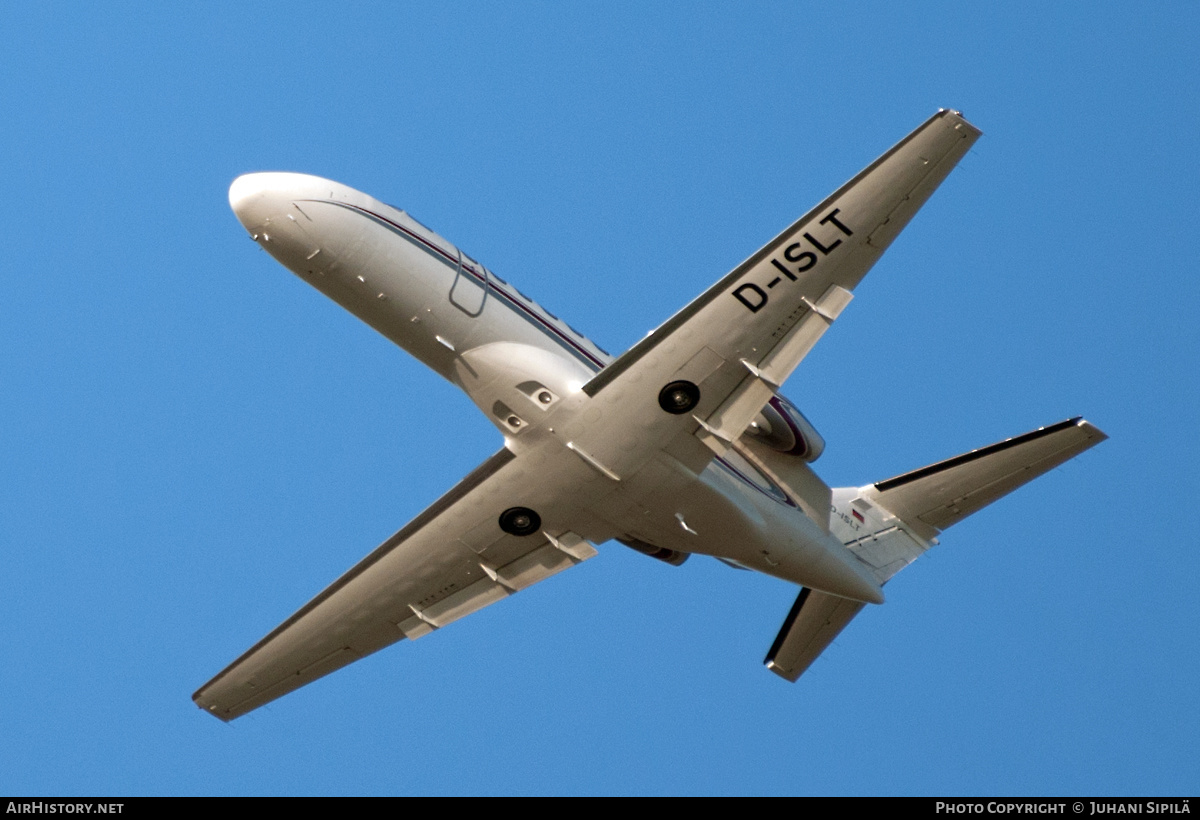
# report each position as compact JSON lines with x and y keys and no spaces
{"x":889,"y":524}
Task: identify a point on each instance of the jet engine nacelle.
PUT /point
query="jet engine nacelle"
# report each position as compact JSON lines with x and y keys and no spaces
{"x":669,"y":556}
{"x":782,"y":427}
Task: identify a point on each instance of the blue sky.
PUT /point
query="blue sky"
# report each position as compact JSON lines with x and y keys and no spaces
{"x":195,"y":442}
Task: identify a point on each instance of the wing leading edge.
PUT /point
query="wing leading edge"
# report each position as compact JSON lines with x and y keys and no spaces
{"x":422,"y":578}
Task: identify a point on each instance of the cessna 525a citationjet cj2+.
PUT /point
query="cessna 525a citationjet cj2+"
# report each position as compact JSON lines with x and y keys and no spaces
{"x":680,"y":445}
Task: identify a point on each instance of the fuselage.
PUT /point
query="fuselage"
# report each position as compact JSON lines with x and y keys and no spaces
{"x":524,"y":368}
{"x":404,"y":280}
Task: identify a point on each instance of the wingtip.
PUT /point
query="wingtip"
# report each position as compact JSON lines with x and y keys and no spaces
{"x":962,"y":118}
{"x":210,"y":709}
{"x":1094,"y":431}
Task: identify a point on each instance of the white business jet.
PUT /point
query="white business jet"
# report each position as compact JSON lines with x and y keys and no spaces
{"x":681,"y":445}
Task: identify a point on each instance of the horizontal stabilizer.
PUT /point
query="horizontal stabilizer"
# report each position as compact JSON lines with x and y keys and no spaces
{"x":815,"y":620}
{"x":889,"y":525}
{"x":935,"y":497}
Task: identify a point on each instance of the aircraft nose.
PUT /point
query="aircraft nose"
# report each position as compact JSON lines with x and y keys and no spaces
{"x":266,"y":196}
{"x":251,"y":197}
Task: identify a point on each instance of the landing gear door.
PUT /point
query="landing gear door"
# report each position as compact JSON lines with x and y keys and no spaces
{"x":470,"y":289}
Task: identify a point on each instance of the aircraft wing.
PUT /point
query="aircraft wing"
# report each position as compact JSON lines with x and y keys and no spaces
{"x":744,"y":336}
{"x":450,"y":561}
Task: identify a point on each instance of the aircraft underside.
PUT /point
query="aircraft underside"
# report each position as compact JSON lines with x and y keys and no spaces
{"x":682,"y":445}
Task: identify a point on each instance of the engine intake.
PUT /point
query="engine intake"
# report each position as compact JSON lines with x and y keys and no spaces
{"x":782,"y":427}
